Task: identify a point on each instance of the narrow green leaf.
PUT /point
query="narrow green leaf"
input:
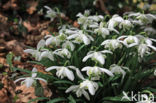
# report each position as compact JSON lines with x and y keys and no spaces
{"x":63,"y":82}
{"x":71,"y":99}
{"x":39,"y":91}
{"x":37,"y":99}
{"x":9,"y":58}
{"x":57,"y":100}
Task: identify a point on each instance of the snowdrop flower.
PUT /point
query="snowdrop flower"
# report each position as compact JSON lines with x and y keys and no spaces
{"x":79,"y":91}
{"x":47,"y":54}
{"x":30,"y":80}
{"x":68,"y":45}
{"x":90,"y":85}
{"x":36,"y":53}
{"x":83,"y":19}
{"x":71,"y":31}
{"x":97,"y":56}
{"x":145,"y":45}
{"x":66,"y":72}
{"x":143,"y":18}
{"x":143,"y":49}
{"x":112,"y":44}
{"x":101,"y":30}
{"x":150,"y":30}
{"x":155,"y":72}
{"x":62,"y":37}
{"x":95,"y":72}
{"x":129,"y":41}
{"x":114,"y":21}
{"x":62,"y":53}
{"x":126,"y":24}
{"x":149,"y":43}
{"x":50,"y":13}
{"x":55,"y":41}
{"x":81,"y":37}
{"x":96,"y":18}
{"x":118,"y":70}
{"x":82,"y":87}
{"x":89,"y":21}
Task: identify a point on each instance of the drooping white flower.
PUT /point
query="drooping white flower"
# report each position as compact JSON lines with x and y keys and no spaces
{"x":62,"y":37}
{"x":66,"y":72}
{"x":149,"y":43}
{"x":50,"y":13}
{"x":97,"y":56}
{"x":155,"y":72}
{"x":68,"y":45}
{"x":30,"y":80}
{"x":126,"y":24}
{"x":90,"y":85}
{"x":95,"y":72}
{"x":36,"y":53}
{"x":114,"y":21}
{"x":149,"y":30}
{"x":55,"y":41}
{"x":112,"y":44}
{"x":89,"y":21}
{"x":143,"y":49}
{"x":47,"y":54}
{"x":142,"y":18}
{"x":102,"y":30}
{"x":62,"y":53}
{"x":80,"y":37}
{"x":129,"y":41}
{"x":79,"y":91}
{"x":115,"y":69}
{"x":82,"y":87}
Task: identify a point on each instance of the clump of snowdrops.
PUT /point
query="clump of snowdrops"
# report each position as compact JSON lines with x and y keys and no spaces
{"x":98,"y":61}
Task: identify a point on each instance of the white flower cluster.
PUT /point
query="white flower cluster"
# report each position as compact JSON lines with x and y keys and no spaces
{"x":68,"y":38}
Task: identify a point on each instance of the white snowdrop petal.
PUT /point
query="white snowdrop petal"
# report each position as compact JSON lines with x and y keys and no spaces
{"x":86,"y":95}
{"x":87,"y":57}
{"x":69,"y":74}
{"x":71,"y":88}
{"x":40,"y":44}
{"x":52,"y":68}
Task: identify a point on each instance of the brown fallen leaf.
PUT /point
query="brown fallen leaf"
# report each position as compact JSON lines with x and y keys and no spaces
{"x":32,"y":6}
{"x":15,"y":46}
{"x":28,"y":26}
{"x":4,"y":98}
{"x":7,"y":93}
{"x":75,"y":24}
{"x":29,"y":93}
{"x":10,"y":4}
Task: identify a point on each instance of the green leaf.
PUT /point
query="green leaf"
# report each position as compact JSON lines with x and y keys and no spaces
{"x":1,"y":86}
{"x":37,"y":99}
{"x":81,"y":47}
{"x":63,"y":82}
{"x":39,"y":91}
{"x":9,"y":58}
{"x":114,"y":99}
{"x":22,"y":70}
{"x":57,"y":100}
{"x":71,"y":99}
